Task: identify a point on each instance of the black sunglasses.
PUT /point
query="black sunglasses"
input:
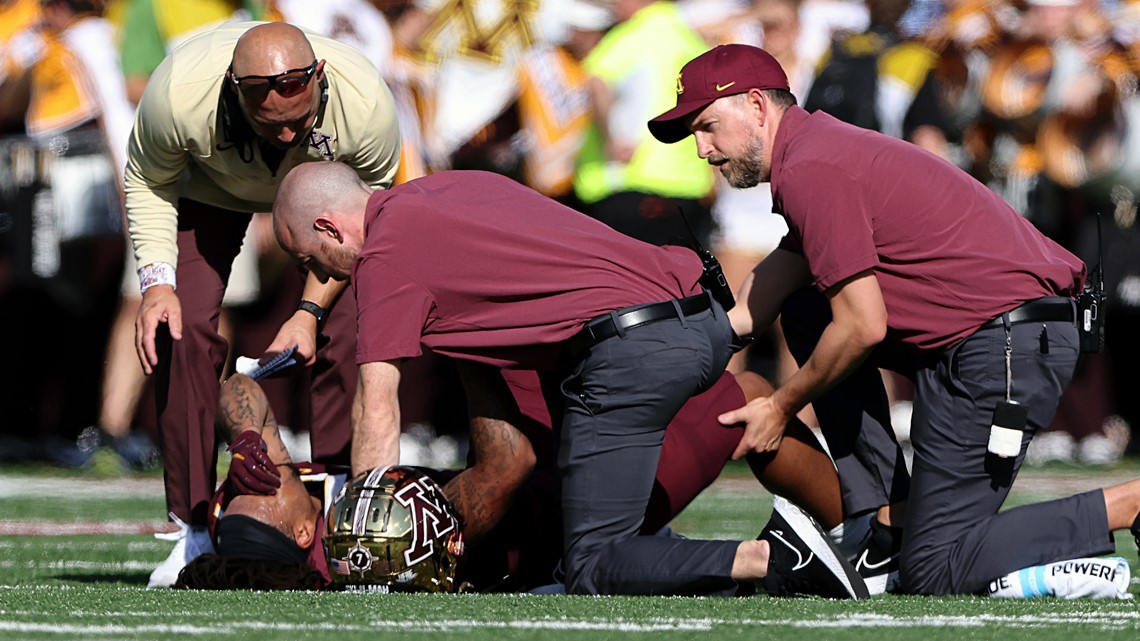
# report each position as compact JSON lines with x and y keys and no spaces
{"x":287,"y":83}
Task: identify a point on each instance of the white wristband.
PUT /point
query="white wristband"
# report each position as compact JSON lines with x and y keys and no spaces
{"x":156,"y":274}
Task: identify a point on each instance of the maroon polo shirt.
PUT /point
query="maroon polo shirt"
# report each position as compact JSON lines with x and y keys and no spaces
{"x":948,"y":253}
{"x":476,"y":266}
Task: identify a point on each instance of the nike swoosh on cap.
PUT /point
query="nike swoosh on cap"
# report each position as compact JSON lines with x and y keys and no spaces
{"x":722,"y":88}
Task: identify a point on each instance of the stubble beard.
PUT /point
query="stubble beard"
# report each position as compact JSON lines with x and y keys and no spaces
{"x":747,"y":170}
{"x":347,"y":258}
{"x":339,"y":260}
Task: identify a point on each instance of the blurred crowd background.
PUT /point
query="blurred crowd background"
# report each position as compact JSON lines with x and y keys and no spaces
{"x":1036,"y":98}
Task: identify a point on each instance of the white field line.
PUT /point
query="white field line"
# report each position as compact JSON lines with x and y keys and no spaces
{"x":39,"y":527}
{"x":131,"y":546}
{"x":16,"y":486}
{"x":102,"y":566}
{"x":1101,"y":620}
{"x":13,"y":486}
{"x":239,"y":628}
{"x":108,"y":614}
{"x":1110,"y":619}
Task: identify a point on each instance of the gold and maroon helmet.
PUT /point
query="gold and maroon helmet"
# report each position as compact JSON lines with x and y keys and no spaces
{"x":392,"y":530}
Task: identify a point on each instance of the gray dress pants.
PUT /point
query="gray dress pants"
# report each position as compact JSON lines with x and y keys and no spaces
{"x":620,"y":395}
{"x":955,"y":540}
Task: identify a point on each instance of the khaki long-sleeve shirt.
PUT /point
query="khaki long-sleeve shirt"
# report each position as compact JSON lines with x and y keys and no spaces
{"x":178,"y":147}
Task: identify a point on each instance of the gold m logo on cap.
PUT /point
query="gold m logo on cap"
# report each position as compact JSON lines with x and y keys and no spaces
{"x":680,"y":86}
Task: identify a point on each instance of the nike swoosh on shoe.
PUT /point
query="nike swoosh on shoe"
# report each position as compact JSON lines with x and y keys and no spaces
{"x":865,"y":563}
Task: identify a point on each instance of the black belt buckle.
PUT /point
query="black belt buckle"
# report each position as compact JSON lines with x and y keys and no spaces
{"x":1041,"y":310}
{"x":604,"y":327}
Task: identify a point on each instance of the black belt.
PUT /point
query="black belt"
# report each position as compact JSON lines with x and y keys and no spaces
{"x":603,"y":327}
{"x":1042,"y":310}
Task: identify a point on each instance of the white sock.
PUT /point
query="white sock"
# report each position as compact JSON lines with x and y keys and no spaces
{"x":852,"y":534}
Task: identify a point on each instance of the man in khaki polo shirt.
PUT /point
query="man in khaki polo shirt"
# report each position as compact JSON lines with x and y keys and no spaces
{"x":222,"y":121}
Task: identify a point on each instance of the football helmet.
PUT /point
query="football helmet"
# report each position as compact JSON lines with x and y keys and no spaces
{"x":392,"y":530}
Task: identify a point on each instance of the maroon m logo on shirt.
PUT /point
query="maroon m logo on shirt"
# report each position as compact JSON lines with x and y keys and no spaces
{"x":321,"y":143}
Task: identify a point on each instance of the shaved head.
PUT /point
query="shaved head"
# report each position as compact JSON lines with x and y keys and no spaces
{"x":318,"y":217}
{"x":263,"y":55}
{"x":316,"y":187}
{"x":271,"y":48}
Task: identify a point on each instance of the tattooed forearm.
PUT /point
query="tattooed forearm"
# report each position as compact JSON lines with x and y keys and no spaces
{"x":242,"y":405}
{"x":503,"y":457}
{"x":277,"y":452}
{"x":238,"y":408}
{"x":481,"y":503}
{"x":482,"y":494}
{"x":494,"y":437}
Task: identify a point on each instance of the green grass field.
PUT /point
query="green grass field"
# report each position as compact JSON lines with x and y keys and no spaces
{"x":64,"y":585}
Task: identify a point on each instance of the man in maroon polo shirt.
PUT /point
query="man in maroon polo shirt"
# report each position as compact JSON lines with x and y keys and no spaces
{"x":897,"y":258}
{"x":478,"y":267}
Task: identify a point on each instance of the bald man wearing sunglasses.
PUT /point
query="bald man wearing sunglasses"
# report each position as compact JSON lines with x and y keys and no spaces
{"x":223,"y":119}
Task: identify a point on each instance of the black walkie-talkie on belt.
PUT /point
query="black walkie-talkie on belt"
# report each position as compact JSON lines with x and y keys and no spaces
{"x":1091,"y":304}
{"x":713,"y":278}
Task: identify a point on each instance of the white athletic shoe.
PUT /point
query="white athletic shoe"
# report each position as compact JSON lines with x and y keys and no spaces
{"x":875,"y":557}
{"x":1106,"y":447}
{"x":189,"y":544}
{"x":1047,"y":447}
{"x":802,"y":559}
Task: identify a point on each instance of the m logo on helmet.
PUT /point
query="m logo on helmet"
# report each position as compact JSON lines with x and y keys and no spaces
{"x":427,"y":512}
{"x":393,"y":527}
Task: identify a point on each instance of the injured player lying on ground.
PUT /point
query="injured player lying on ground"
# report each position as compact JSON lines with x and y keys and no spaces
{"x":496,"y":525}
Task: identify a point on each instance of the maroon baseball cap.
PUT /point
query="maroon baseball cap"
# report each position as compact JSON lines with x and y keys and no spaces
{"x":722,"y":71}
